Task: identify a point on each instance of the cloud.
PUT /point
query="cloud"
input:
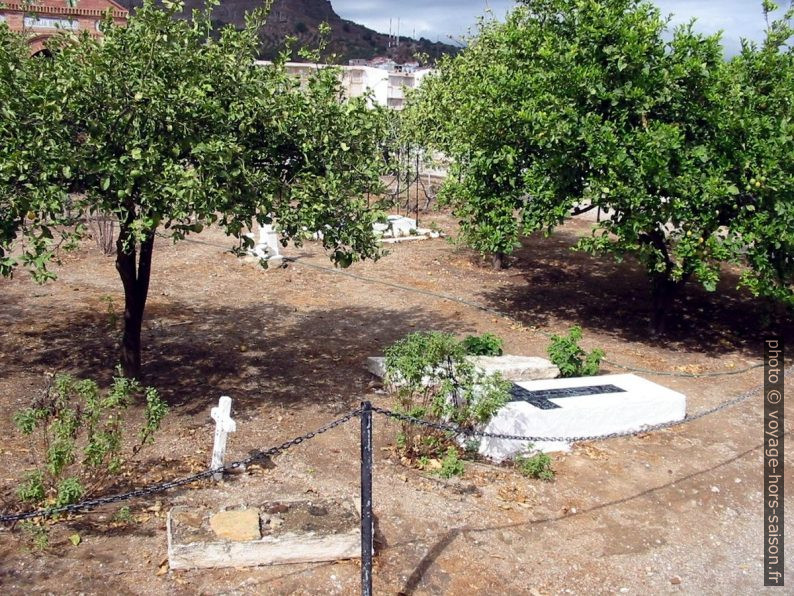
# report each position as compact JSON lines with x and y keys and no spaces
{"x":439,"y":19}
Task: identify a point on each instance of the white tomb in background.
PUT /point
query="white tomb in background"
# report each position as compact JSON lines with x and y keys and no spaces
{"x":581,"y":406}
{"x":268,"y":247}
{"x":398,"y":228}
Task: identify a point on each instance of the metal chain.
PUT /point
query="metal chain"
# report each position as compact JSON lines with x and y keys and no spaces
{"x":445,"y":427}
{"x":164,"y":486}
{"x":440,"y":426}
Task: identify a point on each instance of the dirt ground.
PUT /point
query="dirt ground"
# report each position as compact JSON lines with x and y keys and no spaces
{"x":678,"y":510}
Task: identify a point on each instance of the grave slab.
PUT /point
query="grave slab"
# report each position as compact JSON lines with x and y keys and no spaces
{"x":275,"y":532}
{"x":512,"y":368}
{"x":579,"y":406}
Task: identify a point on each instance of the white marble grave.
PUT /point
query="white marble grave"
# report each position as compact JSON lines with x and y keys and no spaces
{"x":399,"y":229}
{"x":581,"y":406}
{"x":396,"y":229}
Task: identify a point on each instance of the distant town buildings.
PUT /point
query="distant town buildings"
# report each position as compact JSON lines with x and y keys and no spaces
{"x":386,"y":64}
{"x":39,"y":20}
{"x":386,"y":80}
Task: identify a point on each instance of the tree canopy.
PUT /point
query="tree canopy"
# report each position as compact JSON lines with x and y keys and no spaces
{"x":576,"y":104}
{"x":160,"y":124}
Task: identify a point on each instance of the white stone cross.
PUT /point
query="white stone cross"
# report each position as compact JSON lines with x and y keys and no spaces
{"x":223,"y":426}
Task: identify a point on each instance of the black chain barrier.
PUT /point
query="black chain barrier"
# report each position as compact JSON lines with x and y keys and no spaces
{"x":365,"y":413}
{"x":440,"y":426}
{"x":164,"y":486}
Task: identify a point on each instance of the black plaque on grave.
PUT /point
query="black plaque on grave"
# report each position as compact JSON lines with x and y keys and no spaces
{"x":540,"y":397}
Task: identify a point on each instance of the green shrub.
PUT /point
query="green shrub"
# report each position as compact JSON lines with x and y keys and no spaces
{"x":535,"y":466}
{"x":451,"y":465}
{"x":123,"y":515}
{"x":486,"y":344}
{"x":570,"y":358}
{"x":37,"y":534}
{"x":431,"y":378}
{"x":80,"y":432}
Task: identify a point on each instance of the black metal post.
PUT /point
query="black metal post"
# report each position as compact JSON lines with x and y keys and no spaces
{"x":367,"y":522}
{"x":417,"y":188}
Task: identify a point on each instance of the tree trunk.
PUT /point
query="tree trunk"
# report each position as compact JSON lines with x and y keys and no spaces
{"x":664,"y":291}
{"x":498,"y":260}
{"x":135,"y":279}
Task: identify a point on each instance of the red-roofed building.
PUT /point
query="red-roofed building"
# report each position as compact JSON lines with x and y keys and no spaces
{"x":41,"y":19}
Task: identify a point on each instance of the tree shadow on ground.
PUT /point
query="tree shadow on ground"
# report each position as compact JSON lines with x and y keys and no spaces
{"x":262,"y":355}
{"x":552,"y":283}
{"x":425,"y":566}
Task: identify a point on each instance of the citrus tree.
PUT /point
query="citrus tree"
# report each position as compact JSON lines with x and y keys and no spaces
{"x":759,"y":126}
{"x":163,"y":125}
{"x":32,"y":137}
{"x":581,"y":104}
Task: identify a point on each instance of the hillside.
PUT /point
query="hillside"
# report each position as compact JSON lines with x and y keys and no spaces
{"x":301,"y":18}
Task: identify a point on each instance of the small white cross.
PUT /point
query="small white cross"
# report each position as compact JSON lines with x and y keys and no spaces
{"x":223,"y":426}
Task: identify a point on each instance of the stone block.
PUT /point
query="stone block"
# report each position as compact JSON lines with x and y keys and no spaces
{"x":512,"y":368}
{"x":237,"y":526}
{"x":377,"y":366}
{"x":299,"y":531}
{"x":517,"y":368}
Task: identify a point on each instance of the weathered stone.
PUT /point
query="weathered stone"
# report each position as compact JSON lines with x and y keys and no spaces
{"x":236,"y":525}
{"x":377,"y":366}
{"x":302,"y":531}
{"x":512,"y":368}
{"x":517,"y":368}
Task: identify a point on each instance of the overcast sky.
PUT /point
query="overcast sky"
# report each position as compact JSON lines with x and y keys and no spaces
{"x":437,"y":19}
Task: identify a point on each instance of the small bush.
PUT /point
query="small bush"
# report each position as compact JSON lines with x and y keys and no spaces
{"x":432,"y":379}
{"x":37,"y":534}
{"x":80,"y":432}
{"x":570,"y":358}
{"x":535,"y":466}
{"x":451,"y":465}
{"x":486,"y":344}
{"x":123,"y":515}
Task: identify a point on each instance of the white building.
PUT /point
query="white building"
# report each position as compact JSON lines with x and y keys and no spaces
{"x":387,"y":86}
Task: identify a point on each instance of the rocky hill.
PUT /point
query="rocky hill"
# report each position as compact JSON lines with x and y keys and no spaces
{"x":301,"y":18}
